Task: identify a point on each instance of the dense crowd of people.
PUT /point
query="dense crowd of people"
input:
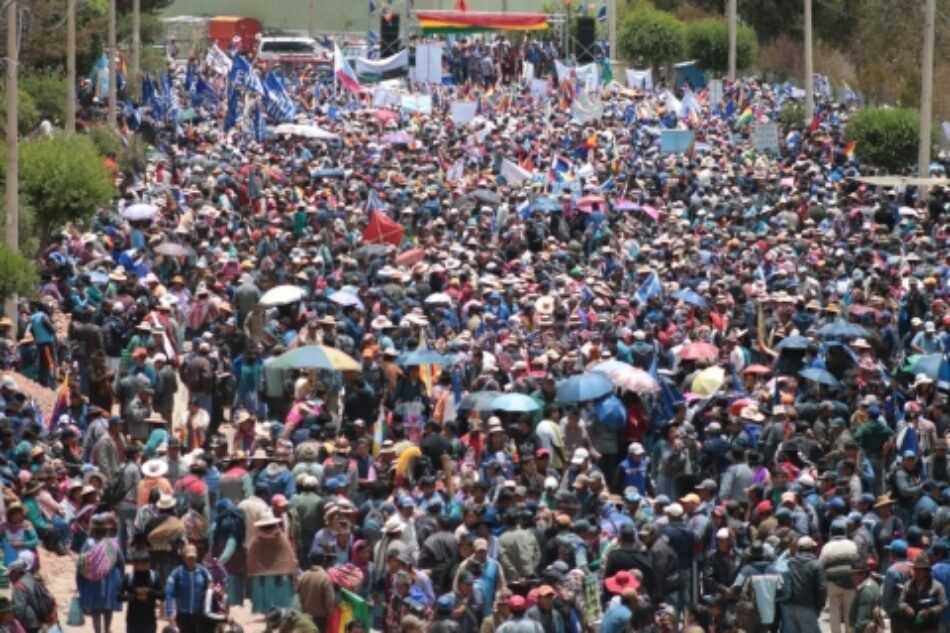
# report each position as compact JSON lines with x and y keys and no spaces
{"x":633,"y":390}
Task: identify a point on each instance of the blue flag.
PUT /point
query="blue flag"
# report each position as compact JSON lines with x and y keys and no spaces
{"x":665,"y":399}
{"x":649,"y":289}
{"x":190,"y":77}
{"x":602,"y":12}
{"x":243,"y":75}
{"x":280,"y":107}
{"x":231,"y":117}
{"x":203,"y":93}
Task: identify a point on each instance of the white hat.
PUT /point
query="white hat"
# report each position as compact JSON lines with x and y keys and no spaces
{"x":166,"y":502}
{"x":159,"y":358}
{"x":155,"y":468}
{"x":722,"y":533}
{"x":580,"y":455}
{"x":393,"y":525}
{"x":550,"y":483}
{"x":636,"y":448}
{"x":674,"y":510}
{"x":267,"y":518}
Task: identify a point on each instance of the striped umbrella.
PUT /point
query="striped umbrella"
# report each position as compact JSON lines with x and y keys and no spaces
{"x":317,"y":357}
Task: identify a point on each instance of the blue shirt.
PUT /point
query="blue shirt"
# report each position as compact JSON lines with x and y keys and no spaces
{"x":185,"y":590}
{"x":941,"y":573}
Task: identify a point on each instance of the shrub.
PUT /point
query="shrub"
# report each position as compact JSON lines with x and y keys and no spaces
{"x":17,"y":274}
{"x":48,"y":90}
{"x":29,"y":117}
{"x":707,"y":41}
{"x":653,"y":36}
{"x":63,"y":179}
{"x":885,"y":137}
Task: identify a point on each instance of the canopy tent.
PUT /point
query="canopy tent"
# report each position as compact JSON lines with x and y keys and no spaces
{"x":479,"y":21}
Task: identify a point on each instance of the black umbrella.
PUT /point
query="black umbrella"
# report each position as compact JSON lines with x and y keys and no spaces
{"x":486,"y":196}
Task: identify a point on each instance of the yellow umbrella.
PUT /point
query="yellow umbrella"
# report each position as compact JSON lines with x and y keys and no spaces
{"x":405,"y":460}
{"x":708,"y":381}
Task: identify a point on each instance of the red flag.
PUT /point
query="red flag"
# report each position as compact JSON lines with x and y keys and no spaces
{"x":813,"y":126}
{"x":461,"y":5}
{"x":381,"y":230}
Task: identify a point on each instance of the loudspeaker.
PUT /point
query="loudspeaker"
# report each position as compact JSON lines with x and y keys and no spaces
{"x":389,"y":43}
{"x":584,"y":42}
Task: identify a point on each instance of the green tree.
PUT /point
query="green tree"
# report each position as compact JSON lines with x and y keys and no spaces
{"x":27,"y":113}
{"x":885,"y":137}
{"x":63,"y":179}
{"x":707,"y":41}
{"x":48,"y":90}
{"x":17,"y":274}
{"x":651,"y":35}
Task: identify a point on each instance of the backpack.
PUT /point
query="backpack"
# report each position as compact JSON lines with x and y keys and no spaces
{"x":374,"y":519}
{"x":95,"y":563}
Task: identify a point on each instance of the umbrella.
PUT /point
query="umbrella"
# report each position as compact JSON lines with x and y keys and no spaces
{"x":305,"y":131}
{"x":841,"y":329}
{"x":698,"y":351}
{"x":689,"y":296}
{"x":141,"y":211}
{"x":282,"y":295}
{"x":479,"y":401}
{"x":793,"y":342}
{"x":588,"y":202}
{"x":421,"y":357}
{"x":633,"y":379}
{"x":927,"y":364}
{"x":708,"y":381}
{"x":98,"y":277}
{"x":438,"y":298}
{"x":411,"y":257}
{"x":370,"y":250}
{"x":328,"y":173}
{"x":397,"y":138}
{"x":651,"y":212}
{"x":515,"y":403}
{"x":346,"y":299}
{"x":625,"y":205}
{"x":821,"y":376}
{"x":582,"y":387}
{"x":607,"y":366}
{"x":486,"y":196}
{"x":545,"y":205}
{"x":611,"y":413}
{"x":385,"y":115}
{"x":756,"y":370}
{"x":171,"y":249}
{"x":317,"y":357}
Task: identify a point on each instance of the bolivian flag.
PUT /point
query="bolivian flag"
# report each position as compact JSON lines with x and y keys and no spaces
{"x":745,"y":118}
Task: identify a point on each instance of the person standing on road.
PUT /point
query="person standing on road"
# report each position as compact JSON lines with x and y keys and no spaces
{"x":185,"y":593}
{"x":808,"y":592}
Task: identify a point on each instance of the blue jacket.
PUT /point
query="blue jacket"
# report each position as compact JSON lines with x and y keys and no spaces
{"x":185,"y":590}
{"x":616,"y":619}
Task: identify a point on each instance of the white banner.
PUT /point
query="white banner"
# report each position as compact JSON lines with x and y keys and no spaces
{"x":715,"y":92}
{"x":371,"y":66}
{"x":587,"y":76}
{"x":385,"y":97}
{"x":513,"y":173}
{"x":463,"y":111}
{"x":428,"y":68}
{"x":539,"y":88}
{"x":765,"y":137}
{"x":527,"y":72}
{"x":585,"y":109}
{"x":416,"y":103}
{"x":640,"y":79}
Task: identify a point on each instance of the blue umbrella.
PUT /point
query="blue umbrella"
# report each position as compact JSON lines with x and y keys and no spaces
{"x":545,"y":205}
{"x":821,"y":376}
{"x":793,"y":342}
{"x":928,"y":364}
{"x":420,"y":357}
{"x":479,"y":401}
{"x":583,"y":387}
{"x":841,"y":329}
{"x":611,"y":413}
{"x":607,"y":366}
{"x":515,"y":403}
{"x":691,"y":297}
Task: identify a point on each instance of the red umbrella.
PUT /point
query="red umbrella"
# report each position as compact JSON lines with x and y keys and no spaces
{"x":698,"y":351}
{"x":382,"y":230}
{"x":411,"y":257}
{"x":587,"y":202}
{"x":737,"y":405}
{"x":756,"y":370}
{"x":385,"y":115}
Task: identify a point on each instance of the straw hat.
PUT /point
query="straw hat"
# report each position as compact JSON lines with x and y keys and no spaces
{"x":154,"y":468}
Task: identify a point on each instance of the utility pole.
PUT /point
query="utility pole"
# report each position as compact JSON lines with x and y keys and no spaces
{"x":612,"y":28}
{"x":113,"y":122}
{"x":809,"y":68}
{"x":71,"y":66}
{"x":136,"y":43}
{"x":312,"y":19}
{"x":732,"y":39}
{"x":13,"y":140}
{"x":926,"y":94}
